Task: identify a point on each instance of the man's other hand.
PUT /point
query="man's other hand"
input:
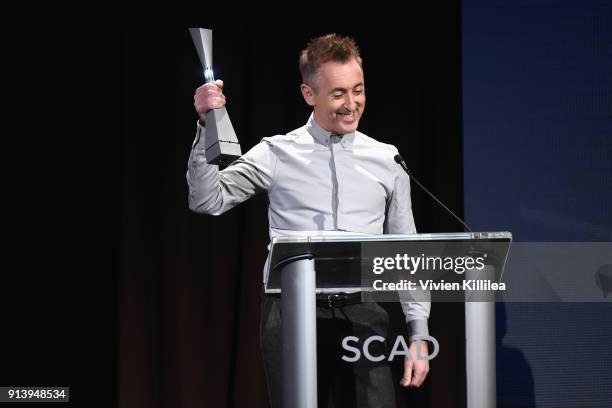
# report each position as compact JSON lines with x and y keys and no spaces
{"x":415,"y":370}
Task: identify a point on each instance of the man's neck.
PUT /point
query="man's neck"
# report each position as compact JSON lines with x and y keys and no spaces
{"x":332,"y":132}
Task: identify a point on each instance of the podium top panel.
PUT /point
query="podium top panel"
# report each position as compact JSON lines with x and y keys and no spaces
{"x":339,"y":259}
{"x":443,"y":236}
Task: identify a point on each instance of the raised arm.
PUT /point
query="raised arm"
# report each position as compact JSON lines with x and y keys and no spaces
{"x":212,"y":191}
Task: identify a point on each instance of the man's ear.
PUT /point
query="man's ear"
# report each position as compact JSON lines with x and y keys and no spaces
{"x":308,"y":94}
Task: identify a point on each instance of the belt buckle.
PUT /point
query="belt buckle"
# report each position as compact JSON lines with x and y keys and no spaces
{"x":336,"y":300}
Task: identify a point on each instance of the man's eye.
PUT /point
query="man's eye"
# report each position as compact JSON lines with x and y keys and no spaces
{"x":337,"y":96}
{"x":358,"y":91}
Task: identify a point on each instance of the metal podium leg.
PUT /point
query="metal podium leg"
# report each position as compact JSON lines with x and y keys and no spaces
{"x":299,"y":334}
{"x":480,"y":344}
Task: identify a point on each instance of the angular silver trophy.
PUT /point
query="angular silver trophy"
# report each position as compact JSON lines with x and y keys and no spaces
{"x":222,"y":146}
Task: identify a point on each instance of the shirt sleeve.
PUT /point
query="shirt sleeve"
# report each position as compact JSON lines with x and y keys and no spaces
{"x":399,"y":220}
{"x":214,"y":192}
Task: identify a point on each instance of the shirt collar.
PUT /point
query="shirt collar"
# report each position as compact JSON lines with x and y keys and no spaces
{"x":323,"y":136}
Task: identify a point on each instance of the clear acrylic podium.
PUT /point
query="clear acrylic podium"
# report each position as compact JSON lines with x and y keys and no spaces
{"x":338,"y":263}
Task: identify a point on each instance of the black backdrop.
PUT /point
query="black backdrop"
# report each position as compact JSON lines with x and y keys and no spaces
{"x":169,"y":316}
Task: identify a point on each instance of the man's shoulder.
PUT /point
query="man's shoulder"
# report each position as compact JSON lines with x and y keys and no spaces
{"x":364,"y":141}
{"x":295,"y":135}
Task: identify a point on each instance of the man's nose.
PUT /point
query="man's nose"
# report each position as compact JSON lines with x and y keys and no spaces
{"x":350,"y":102}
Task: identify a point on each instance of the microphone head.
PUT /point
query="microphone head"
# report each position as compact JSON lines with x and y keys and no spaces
{"x":398,"y":158}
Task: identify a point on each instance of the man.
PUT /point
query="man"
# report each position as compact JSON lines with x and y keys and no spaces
{"x":322,"y":178}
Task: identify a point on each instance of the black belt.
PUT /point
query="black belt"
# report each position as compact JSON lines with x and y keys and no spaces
{"x":336,"y":300}
{"x":333,"y":300}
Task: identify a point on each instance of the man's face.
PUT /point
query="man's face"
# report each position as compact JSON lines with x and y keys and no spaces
{"x":338,"y":96}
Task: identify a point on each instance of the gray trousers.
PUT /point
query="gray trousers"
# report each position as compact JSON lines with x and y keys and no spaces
{"x":340,"y":384}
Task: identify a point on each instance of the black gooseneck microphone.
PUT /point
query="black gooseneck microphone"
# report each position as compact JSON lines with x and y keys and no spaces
{"x":400,"y":160}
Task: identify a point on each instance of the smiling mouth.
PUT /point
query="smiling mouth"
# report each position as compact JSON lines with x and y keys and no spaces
{"x":347,"y":114}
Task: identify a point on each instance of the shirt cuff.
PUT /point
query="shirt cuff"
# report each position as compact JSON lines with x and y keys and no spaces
{"x":417,"y":327}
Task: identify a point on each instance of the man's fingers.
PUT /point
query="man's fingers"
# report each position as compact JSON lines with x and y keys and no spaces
{"x":405,"y":382}
{"x":209,"y":97}
{"x":216,"y":87}
{"x":419,"y":367}
{"x":214,"y":103}
{"x":217,"y":102}
{"x":206,"y":92}
{"x":418,"y":377}
{"x":211,"y":103}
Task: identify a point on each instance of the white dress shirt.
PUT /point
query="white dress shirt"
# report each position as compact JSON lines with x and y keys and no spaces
{"x":317,"y":183}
